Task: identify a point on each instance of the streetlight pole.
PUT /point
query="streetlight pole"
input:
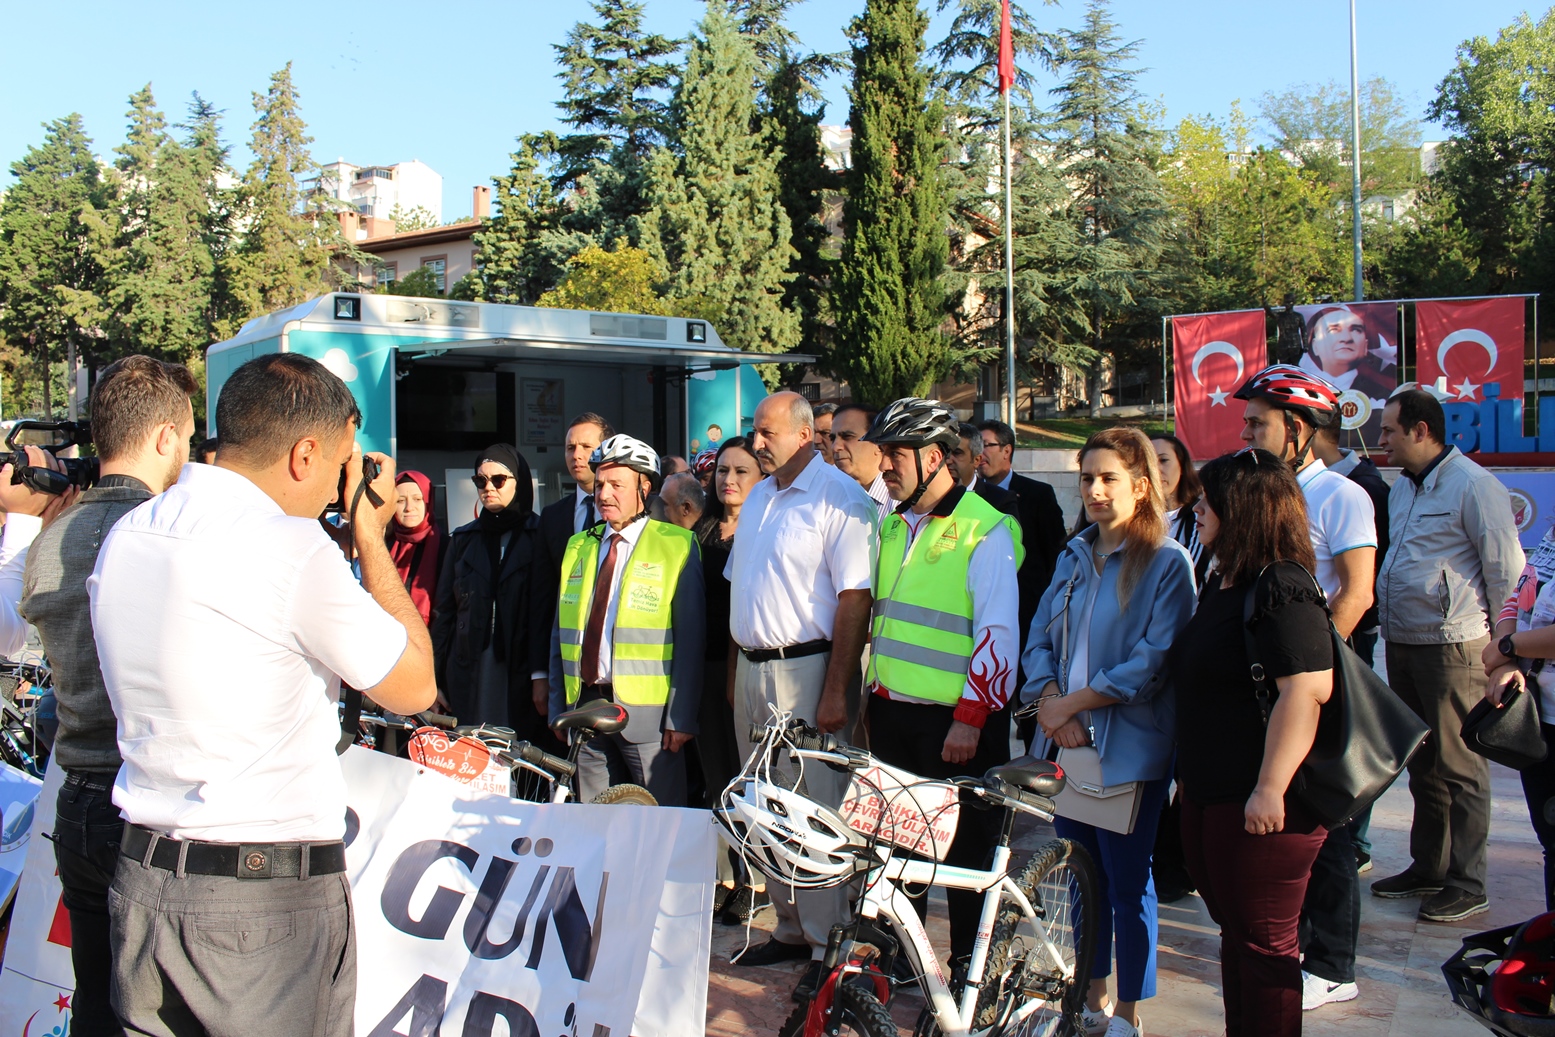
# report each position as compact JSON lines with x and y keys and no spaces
{"x":1355,"y":154}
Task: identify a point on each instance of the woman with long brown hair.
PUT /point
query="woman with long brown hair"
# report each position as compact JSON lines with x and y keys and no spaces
{"x":1120,"y":593}
{"x":1250,"y":846}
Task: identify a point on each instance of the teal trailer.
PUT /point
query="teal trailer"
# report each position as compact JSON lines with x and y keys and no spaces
{"x":437,"y":380}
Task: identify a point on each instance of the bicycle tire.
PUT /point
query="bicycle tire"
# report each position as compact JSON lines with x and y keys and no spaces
{"x":1059,"y":879}
{"x":634,"y":795}
{"x":862,"y":1014}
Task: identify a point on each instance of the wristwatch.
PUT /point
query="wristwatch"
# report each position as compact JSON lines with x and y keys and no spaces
{"x":1504,"y":646}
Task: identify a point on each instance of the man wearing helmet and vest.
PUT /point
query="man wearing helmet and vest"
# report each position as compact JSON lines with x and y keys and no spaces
{"x":630,"y":627}
{"x":944,"y":638}
{"x":1286,"y":407}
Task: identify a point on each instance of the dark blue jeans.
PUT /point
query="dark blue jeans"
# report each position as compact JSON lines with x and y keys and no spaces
{"x":1538,"y":790}
{"x":86,"y":850}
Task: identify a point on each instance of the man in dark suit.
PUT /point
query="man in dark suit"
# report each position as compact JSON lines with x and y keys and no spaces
{"x":963,"y":463}
{"x":559,"y":520}
{"x":1041,"y":521}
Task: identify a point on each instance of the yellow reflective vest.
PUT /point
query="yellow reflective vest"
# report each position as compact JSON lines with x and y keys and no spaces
{"x":921,"y":631}
{"x":643,"y":645}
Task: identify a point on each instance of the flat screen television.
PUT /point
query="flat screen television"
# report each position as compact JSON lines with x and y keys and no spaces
{"x":451,"y":408}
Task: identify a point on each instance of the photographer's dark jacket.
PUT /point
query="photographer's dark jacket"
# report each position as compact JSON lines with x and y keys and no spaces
{"x":483,"y":625}
{"x":54,"y":600}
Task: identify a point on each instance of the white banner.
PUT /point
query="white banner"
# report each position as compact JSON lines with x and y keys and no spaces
{"x":475,"y":914}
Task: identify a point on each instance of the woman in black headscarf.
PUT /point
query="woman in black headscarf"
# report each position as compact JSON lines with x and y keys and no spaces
{"x":483,"y":639}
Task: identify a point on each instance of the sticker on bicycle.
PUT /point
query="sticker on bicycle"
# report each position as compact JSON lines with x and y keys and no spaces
{"x":463,"y":759}
{"x":903,"y":809}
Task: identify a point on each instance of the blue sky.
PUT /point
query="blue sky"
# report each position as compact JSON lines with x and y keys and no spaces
{"x":453,"y":83}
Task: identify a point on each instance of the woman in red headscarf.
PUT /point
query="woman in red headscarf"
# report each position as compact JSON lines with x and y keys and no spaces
{"x":414,"y":540}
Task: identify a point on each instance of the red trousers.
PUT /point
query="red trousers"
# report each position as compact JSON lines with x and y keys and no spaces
{"x":1253,"y":886}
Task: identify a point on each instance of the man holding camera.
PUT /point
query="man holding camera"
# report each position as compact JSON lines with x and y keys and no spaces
{"x":230,"y":909}
{"x":141,"y":425}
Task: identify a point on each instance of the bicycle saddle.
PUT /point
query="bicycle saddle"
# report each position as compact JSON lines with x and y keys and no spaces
{"x":600,"y":716}
{"x":1043,"y":777}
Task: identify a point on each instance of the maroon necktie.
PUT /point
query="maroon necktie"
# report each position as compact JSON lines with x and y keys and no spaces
{"x":595,"y":633}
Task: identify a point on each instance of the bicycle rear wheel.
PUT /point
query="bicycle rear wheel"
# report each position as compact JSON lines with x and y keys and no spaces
{"x":633,"y":794}
{"x":1037,"y":974}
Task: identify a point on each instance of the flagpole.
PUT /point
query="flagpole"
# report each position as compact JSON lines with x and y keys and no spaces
{"x":1355,"y":158}
{"x":1009,"y":274}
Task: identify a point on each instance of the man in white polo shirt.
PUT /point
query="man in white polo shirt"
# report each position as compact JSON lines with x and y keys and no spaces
{"x":800,"y":573}
{"x":1286,"y":407}
{"x":225,"y":622}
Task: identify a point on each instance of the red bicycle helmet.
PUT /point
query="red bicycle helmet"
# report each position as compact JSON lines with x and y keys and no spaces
{"x":1290,"y":388}
{"x":704,"y":463}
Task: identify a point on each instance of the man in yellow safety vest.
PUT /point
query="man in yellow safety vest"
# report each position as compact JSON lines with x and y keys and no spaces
{"x":944,"y":637}
{"x":630,"y":627}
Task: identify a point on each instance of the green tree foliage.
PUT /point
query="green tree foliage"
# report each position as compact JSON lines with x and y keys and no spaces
{"x":889,"y":299}
{"x":159,"y":275}
{"x":283,"y":255}
{"x":622,"y":281}
{"x":1109,"y":291}
{"x":417,"y":217}
{"x":522,"y":248}
{"x":1312,"y":124}
{"x":715,"y":222}
{"x":420,"y":282}
{"x":52,"y":221}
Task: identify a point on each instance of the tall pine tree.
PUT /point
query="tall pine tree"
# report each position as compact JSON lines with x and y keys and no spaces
{"x":160,"y":275}
{"x":714,"y":220}
{"x":54,"y":222}
{"x":1118,"y":206}
{"x":889,"y":298}
{"x":523,"y":250}
{"x":283,"y":256}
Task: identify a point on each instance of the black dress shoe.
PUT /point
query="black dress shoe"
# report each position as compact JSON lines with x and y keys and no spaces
{"x":809,"y":982}
{"x":741,"y":904}
{"x":773,"y":952}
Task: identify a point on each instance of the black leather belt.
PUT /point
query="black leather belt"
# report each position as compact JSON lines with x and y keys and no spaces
{"x":233,"y":860}
{"x":766,"y":655}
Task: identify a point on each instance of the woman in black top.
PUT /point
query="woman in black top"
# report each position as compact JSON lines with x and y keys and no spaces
{"x":1249,"y":845}
{"x":734,"y":473}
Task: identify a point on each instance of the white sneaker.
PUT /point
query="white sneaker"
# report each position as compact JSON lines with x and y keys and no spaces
{"x":1096,"y":1023}
{"x":1121,"y":1027}
{"x":1317,"y":992}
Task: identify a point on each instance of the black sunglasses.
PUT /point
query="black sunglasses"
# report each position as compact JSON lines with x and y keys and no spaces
{"x":498,"y":481}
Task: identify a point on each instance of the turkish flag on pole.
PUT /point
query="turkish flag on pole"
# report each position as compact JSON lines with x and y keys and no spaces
{"x":1471,"y":342}
{"x":1006,"y":50}
{"x":1215,"y":354}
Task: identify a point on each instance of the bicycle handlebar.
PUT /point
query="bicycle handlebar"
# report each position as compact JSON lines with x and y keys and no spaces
{"x":540,"y":758}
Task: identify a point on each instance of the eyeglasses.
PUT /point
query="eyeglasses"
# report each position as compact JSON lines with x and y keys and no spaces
{"x":498,"y":481}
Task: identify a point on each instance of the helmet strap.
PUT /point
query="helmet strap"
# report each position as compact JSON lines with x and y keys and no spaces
{"x":1302,"y":449}
{"x":923,"y":480}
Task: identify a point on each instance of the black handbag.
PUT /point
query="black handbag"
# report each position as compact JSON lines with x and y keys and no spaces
{"x":1365,"y":732}
{"x":1511,"y":735}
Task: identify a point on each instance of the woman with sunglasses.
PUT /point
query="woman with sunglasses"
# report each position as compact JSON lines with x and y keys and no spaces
{"x":482,"y":638}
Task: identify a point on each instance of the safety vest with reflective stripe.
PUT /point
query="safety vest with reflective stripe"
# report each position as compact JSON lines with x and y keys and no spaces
{"x":643,"y":645}
{"x":921,"y":632}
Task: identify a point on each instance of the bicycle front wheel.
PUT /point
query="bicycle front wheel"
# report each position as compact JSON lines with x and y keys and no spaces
{"x":856,"y":1008}
{"x":633,"y":794}
{"x":1037,"y":973}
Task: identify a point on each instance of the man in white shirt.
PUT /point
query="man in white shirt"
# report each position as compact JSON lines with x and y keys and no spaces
{"x":225,"y":621}
{"x":800,"y":572}
{"x":860,"y":459}
{"x":1285,"y":408}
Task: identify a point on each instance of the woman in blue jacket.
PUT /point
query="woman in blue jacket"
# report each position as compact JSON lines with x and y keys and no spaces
{"x":1095,"y":664}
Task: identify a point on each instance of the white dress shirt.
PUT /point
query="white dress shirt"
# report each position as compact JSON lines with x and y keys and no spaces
{"x":20,"y":532}
{"x":991,"y":582}
{"x":583,"y":513}
{"x":629,"y":536}
{"x":224,"y":628}
{"x":882,"y":497}
{"x":795,"y":550}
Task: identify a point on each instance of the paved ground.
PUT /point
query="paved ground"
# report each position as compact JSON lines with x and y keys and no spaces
{"x":1402,"y":994}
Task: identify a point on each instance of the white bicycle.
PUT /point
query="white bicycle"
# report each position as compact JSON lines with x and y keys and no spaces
{"x":1031,"y":959}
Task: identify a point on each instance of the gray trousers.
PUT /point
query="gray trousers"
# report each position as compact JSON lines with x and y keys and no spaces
{"x":794,"y":685}
{"x":202,"y":955}
{"x":607,"y":760}
{"x":1449,"y":782}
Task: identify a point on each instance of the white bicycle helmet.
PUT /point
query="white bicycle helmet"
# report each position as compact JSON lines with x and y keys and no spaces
{"x":624,"y":450}
{"x":789,"y":838}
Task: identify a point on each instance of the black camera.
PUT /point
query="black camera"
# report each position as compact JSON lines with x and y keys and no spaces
{"x":371,"y":469}
{"x":80,"y":472}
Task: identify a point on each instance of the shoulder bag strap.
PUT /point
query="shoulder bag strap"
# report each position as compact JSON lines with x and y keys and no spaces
{"x":1261,"y":689}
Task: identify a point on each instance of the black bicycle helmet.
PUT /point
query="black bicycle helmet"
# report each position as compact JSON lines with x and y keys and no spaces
{"x":1504,"y":977}
{"x":916,"y":422}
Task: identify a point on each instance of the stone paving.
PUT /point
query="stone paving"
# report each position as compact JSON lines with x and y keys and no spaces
{"x":1399,"y":966}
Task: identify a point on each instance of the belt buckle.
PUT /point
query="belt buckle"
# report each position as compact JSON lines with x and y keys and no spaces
{"x":256,"y":861}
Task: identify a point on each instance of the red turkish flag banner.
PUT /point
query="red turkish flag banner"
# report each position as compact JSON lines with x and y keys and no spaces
{"x":1471,"y":342}
{"x":1006,"y":50}
{"x":1215,"y":354}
